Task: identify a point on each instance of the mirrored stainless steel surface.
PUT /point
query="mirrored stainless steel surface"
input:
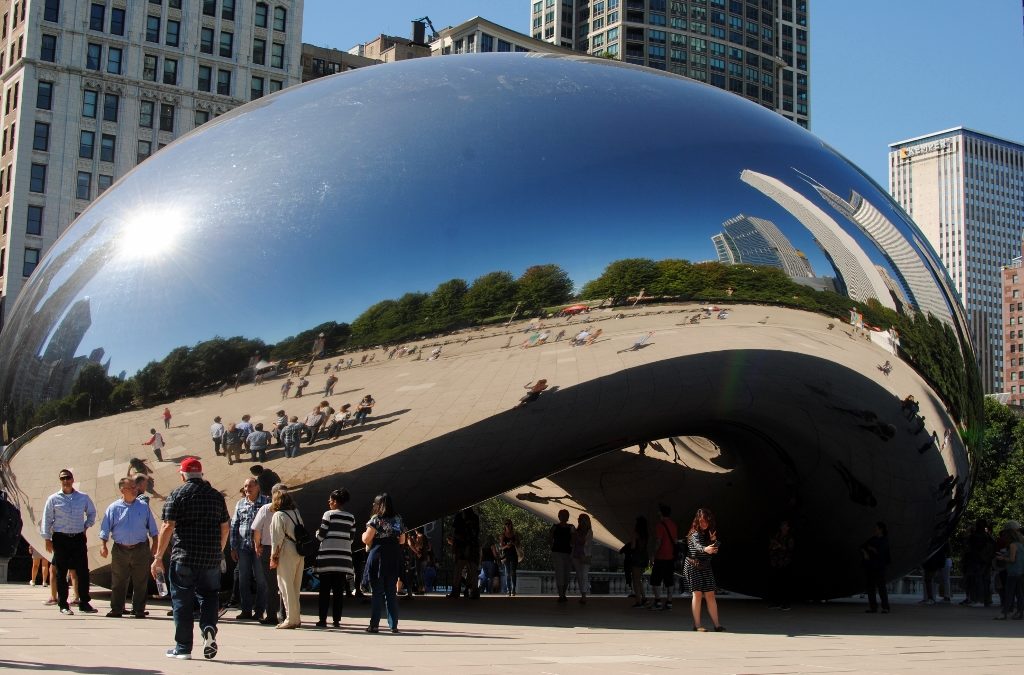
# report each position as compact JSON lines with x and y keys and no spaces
{"x":743,"y":288}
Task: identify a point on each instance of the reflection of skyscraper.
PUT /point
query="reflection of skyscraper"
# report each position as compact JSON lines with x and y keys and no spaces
{"x":894,"y":287}
{"x":854,"y":270}
{"x":963,"y":190}
{"x":917,"y":281}
{"x":756,"y":241}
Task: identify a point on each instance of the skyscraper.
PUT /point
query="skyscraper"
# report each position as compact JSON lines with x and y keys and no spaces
{"x":855,"y":273}
{"x":965,"y":190}
{"x":90,"y":89}
{"x":756,"y":241}
{"x":759,"y":49}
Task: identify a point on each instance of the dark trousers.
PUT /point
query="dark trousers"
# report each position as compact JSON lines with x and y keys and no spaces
{"x":331,"y":582}
{"x":782,"y":583}
{"x":69,"y":553}
{"x":511,"y":564}
{"x":129,"y":564}
{"x":189,"y":584}
{"x":384,"y":597}
{"x":876,"y":583}
{"x":273,"y":594}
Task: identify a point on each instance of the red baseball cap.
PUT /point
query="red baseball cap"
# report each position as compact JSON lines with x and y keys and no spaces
{"x":191,"y":465}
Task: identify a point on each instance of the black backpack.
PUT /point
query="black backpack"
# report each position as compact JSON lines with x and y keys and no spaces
{"x":10,"y":527}
{"x":305,"y":544}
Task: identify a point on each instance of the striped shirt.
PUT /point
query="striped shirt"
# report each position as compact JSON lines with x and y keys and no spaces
{"x":335,"y":535}
{"x":68,"y":514}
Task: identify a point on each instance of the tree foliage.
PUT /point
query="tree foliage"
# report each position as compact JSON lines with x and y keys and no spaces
{"x":490,"y":295}
{"x":623,"y":278}
{"x":541,"y":286}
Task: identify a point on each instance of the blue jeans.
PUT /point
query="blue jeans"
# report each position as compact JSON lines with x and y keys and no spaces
{"x":249,"y":570}
{"x":384,"y":594}
{"x":291,"y":449}
{"x":189,"y":584}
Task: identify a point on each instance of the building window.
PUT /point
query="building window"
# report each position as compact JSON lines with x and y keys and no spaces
{"x":224,"y":82}
{"x":37,"y":179}
{"x":227,"y":10}
{"x":41,"y":137}
{"x":280,"y":18}
{"x":83,"y":187}
{"x":94,"y":53}
{"x":143,"y":151}
{"x":34,"y":221}
{"x":111,"y":102}
{"x":170,"y":71}
{"x":31,"y":260}
{"x":210,"y":7}
{"x":227,"y":41}
{"x":51,"y":11}
{"x":44,"y":95}
{"x":103,"y":183}
{"x":116,"y":21}
{"x":97,"y":16}
{"x":256,"y":88}
{"x":276,"y":85}
{"x":504,"y":46}
{"x":166,"y":117}
{"x":277,"y":55}
{"x":108,"y":145}
{"x":152,"y":29}
{"x":48,"y":48}
{"x":259,"y":52}
{"x":172,"y":34}
{"x":261,"y":14}
{"x":149,"y":67}
{"x":146,"y":114}
{"x":86,"y":144}
{"x":205,"y":78}
{"x":114,"y":60}
{"x":206,"y":40}
{"x":486,"y":43}
{"x":89,"y":98}
{"x":202,"y":117}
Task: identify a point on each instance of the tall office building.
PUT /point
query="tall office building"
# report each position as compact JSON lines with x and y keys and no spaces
{"x":856,"y":275}
{"x":965,"y":190}
{"x":756,"y":241}
{"x":92,"y":88}
{"x":759,"y":49}
{"x":1013,"y":327}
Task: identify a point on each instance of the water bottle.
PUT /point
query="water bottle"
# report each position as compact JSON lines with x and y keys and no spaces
{"x":161,"y":585}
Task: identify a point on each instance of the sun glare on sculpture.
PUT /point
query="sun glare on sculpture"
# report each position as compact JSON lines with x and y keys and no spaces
{"x":150,"y":234}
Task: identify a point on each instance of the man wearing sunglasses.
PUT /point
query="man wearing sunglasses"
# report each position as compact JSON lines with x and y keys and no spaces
{"x":66,"y":517}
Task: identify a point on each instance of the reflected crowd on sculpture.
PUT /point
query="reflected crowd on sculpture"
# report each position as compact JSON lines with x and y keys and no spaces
{"x":747,"y":326}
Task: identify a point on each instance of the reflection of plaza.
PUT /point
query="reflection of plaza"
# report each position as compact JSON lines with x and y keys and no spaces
{"x":758,"y":387}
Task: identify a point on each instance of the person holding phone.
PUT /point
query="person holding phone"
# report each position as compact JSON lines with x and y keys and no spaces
{"x":702,"y":545}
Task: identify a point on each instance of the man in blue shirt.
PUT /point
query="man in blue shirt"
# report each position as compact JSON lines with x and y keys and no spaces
{"x":131,"y":525}
{"x":66,"y":516}
{"x":243,"y":552}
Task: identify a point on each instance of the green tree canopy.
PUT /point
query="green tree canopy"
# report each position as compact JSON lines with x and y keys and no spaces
{"x":444,"y":307}
{"x":623,"y":278}
{"x":490,"y":295}
{"x":543,"y":285}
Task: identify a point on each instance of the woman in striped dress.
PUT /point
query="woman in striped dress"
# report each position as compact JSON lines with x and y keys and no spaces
{"x":702,"y":544}
{"x":334,"y":560}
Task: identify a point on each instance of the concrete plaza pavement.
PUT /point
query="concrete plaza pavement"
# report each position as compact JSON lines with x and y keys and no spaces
{"x":527,"y":635}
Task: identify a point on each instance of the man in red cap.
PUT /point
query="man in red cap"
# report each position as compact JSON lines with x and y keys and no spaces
{"x":196,"y":514}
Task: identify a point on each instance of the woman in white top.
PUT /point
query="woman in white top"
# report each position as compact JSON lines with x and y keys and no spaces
{"x":284,"y":557}
{"x":582,"y":541}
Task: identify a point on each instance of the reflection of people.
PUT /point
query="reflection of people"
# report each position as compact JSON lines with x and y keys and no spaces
{"x":216,"y":434}
{"x":533,"y":394}
{"x":663,"y":568}
{"x":167,"y":418}
{"x":66,"y":516}
{"x":509,"y":546}
{"x":702,"y":544}
{"x":363,"y":410}
{"x":157,"y":441}
{"x":638,"y":560}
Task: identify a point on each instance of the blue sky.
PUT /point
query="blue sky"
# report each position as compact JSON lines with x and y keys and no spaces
{"x":881,"y":70}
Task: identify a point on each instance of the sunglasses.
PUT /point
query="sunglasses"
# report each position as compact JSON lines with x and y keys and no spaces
{"x":64,"y":478}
